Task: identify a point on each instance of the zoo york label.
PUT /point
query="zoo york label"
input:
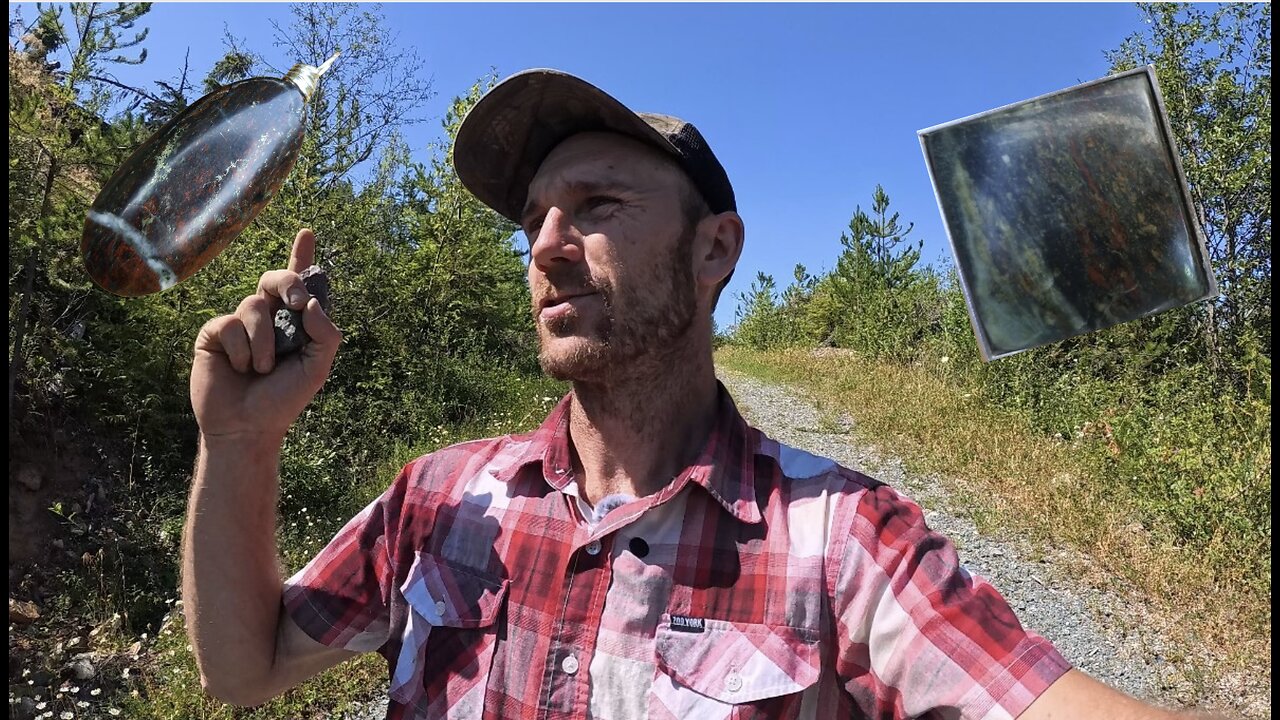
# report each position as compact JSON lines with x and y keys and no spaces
{"x":684,"y":623}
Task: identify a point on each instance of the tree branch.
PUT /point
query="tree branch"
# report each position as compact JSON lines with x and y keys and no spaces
{"x":118,"y":84}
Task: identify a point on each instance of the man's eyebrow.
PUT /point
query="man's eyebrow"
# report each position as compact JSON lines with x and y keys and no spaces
{"x":573,"y":187}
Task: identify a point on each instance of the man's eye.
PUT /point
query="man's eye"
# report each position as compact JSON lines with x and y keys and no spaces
{"x":601,"y":202}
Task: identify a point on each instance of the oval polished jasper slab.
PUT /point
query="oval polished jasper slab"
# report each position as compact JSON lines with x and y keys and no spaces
{"x":191,"y":188}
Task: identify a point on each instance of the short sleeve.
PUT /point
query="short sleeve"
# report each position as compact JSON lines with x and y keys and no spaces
{"x":342,"y":598}
{"x":919,"y":636}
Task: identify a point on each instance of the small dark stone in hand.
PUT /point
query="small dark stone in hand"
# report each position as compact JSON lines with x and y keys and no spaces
{"x":290,"y":337}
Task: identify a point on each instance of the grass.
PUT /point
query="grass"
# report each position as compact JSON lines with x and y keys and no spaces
{"x":170,"y":687}
{"x":1049,"y":490}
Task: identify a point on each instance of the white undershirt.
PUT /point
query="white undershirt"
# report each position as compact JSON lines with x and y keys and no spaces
{"x":593,"y":515}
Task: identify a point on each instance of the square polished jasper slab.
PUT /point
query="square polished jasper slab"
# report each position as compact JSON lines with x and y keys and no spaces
{"x":1068,"y":213}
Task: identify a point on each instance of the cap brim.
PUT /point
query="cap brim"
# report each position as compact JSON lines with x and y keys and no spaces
{"x":512,"y":129}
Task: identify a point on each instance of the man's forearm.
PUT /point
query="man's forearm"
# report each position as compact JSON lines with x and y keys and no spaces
{"x":231,"y":583}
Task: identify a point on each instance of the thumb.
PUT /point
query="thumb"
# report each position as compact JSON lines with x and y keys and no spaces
{"x":317,"y":356}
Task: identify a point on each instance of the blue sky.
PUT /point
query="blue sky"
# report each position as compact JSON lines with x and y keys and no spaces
{"x":807,"y":106}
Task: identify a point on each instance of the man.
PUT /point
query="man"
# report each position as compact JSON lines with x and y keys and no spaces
{"x":644,"y":553}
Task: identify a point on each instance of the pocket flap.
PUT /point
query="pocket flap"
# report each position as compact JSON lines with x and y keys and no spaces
{"x":447,"y":595}
{"x":441,"y":594}
{"x":737,"y":662}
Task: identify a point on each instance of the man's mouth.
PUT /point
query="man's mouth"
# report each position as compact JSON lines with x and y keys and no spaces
{"x":559,"y":299}
{"x":560,"y":304}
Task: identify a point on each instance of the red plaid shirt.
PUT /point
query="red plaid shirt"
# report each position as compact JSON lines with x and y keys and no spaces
{"x":762,"y":582}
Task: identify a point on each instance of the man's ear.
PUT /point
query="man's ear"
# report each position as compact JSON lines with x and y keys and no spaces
{"x":717,"y":247}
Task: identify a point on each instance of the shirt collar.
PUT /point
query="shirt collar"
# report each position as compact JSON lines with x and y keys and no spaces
{"x":725,"y":467}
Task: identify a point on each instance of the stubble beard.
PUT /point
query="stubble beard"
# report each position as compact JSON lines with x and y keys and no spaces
{"x":623,"y":340}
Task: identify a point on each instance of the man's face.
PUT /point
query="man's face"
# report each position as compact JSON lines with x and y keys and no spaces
{"x":611,"y":256}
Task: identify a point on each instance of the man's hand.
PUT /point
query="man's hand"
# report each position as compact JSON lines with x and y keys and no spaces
{"x":238,"y":392}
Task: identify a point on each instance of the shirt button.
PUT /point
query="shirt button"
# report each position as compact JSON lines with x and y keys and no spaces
{"x":733,"y":683}
{"x":440,"y":606}
{"x":593,"y":547}
{"x":569,"y":665}
{"x":639,"y":547}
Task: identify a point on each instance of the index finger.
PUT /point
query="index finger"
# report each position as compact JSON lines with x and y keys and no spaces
{"x":304,"y":251}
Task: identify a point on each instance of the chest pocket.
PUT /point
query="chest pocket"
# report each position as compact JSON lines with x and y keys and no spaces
{"x":718,"y":669}
{"x":449,"y":639}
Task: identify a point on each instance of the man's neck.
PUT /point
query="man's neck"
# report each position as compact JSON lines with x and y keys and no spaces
{"x":633,"y":434}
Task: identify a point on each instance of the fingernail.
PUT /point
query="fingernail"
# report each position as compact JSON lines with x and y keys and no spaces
{"x":297,"y":297}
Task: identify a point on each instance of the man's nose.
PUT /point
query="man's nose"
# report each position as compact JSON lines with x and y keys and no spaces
{"x":558,"y":241}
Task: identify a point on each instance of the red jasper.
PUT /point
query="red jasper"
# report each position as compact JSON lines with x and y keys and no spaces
{"x":191,"y":188}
